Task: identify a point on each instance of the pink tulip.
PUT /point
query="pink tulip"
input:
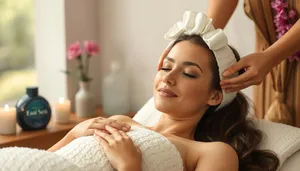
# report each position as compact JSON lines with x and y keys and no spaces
{"x":74,"y":51}
{"x":91,"y":48}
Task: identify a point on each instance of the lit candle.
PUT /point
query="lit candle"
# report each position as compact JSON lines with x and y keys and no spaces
{"x":62,"y":110}
{"x":7,"y":120}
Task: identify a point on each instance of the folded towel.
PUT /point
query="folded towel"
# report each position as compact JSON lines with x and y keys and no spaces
{"x":283,"y":139}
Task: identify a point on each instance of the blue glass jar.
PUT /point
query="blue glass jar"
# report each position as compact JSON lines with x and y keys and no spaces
{"x":33,"y":111}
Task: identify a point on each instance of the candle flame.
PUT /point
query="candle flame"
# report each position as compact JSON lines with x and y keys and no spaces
{"x":61,"y":100}
{"x":6,"y":107}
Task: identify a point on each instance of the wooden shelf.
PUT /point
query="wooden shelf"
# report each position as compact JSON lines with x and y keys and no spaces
{"x":44,"y":139}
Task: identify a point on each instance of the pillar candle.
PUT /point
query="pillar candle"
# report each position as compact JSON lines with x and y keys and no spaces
{"x":7,"y":120}
{"x":62,"y":111}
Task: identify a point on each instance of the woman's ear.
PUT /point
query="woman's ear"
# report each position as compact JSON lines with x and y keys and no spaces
{"x":215,"y":98}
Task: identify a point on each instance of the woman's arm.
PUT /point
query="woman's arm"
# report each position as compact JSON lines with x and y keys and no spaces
{"x":64,"y":141}
{"x":220,"y":11}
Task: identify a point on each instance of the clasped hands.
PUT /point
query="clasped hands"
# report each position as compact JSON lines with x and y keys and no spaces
{"x":111,"y":135}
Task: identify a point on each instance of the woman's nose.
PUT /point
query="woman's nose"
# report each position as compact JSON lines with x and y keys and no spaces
{"x":169,"y":79}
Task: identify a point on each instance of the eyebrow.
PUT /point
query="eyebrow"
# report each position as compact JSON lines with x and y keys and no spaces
{"x":185,"y":63}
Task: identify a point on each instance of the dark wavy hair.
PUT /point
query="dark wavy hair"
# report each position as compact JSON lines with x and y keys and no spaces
{"x":231,"y":125}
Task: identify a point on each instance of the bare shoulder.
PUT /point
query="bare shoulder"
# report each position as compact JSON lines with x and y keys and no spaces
{"x":217,"y":156}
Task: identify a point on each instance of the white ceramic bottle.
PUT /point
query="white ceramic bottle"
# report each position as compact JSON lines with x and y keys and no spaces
{"x":115,"y":90}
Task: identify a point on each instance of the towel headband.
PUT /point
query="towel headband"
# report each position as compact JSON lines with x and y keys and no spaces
{"x":197,"y":23}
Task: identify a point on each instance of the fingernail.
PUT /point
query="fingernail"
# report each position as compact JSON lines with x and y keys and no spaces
{"x":224,"y":86}
{"x":169,"y":45}
{"x":124,"y":129}
{"x":127,"y":126}
{"x":226,"y":73}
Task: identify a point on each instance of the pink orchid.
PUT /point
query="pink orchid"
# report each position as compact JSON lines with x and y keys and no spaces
{"x":74,"y":51}
{"x":292,"y":14}
{"x":279,"y":5}
{"x":282,"y":23}
{"x":91,"y":48}
{"x":294,"y":57}
{"x":288,"y":27}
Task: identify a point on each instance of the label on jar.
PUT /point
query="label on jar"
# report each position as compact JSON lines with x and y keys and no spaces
{"x":37,"y":114}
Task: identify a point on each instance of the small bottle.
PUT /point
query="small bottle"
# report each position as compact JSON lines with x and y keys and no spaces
{"x":33,"y":111}
{"x":116,"y":91}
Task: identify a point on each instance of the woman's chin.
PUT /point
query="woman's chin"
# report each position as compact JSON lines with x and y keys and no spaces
{"x":164,"y":105}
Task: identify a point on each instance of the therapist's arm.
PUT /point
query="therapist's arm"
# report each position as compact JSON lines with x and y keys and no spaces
{"x":220,"y":11}
{"x":259,"y":64}
{"x":286,"y":46}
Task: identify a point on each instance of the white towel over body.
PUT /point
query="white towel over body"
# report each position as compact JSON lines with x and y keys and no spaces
{"x":85,"y":154}
{"x":158,"y":153}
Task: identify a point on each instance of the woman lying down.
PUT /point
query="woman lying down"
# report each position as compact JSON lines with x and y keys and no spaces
{"x":202,"y":128}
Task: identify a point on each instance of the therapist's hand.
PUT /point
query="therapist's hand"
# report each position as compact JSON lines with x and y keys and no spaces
{"x":256,"y":65}
{"x":163,"y":56}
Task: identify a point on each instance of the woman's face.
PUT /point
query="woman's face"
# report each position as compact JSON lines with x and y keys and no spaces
{"x":183,"y":85}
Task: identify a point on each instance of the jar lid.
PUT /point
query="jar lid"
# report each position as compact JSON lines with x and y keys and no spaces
{"x":32,"y":91}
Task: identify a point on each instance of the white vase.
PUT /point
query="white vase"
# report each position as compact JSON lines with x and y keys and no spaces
{"x":84,"y":104}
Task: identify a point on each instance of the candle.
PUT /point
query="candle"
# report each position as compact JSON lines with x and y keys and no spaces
{"x":7,"y":120}
{"x":62,"y":110}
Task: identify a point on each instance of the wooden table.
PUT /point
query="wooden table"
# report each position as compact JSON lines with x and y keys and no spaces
{"x":44,"y":139}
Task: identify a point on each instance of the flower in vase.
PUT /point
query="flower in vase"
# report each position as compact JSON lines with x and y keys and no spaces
{"x":74,"y":50}
{"x":91,"y":48}
{"x":82,"y":58}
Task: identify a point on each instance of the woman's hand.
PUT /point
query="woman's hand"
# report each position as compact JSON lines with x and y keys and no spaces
{"x":89,"y":126}
{"x":119,"y":149}
{"x":256,"y":65}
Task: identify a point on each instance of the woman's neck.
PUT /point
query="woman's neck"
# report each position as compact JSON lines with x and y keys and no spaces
{"x":179,"y":126}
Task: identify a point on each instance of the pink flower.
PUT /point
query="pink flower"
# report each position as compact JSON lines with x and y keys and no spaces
{"x":91,"y":48}
{"x":288,"y":27}
{"x":292,"y":14}
{"x":74,"y":51}
{"x":279,"y":5}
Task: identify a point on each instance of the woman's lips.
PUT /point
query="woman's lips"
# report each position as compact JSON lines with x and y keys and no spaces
{"x":166,"y":92}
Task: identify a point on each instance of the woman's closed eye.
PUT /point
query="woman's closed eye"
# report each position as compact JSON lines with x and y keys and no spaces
{"x":189,"y":75}
{"x":184,"y":73}
{"x":165,"y":69}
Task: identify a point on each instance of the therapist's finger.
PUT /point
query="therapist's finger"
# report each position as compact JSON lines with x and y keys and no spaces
{"x":235,"y":68}
{"x":246,"y":76}
{"x":238,"y":87}
{"x":163,"y":56}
